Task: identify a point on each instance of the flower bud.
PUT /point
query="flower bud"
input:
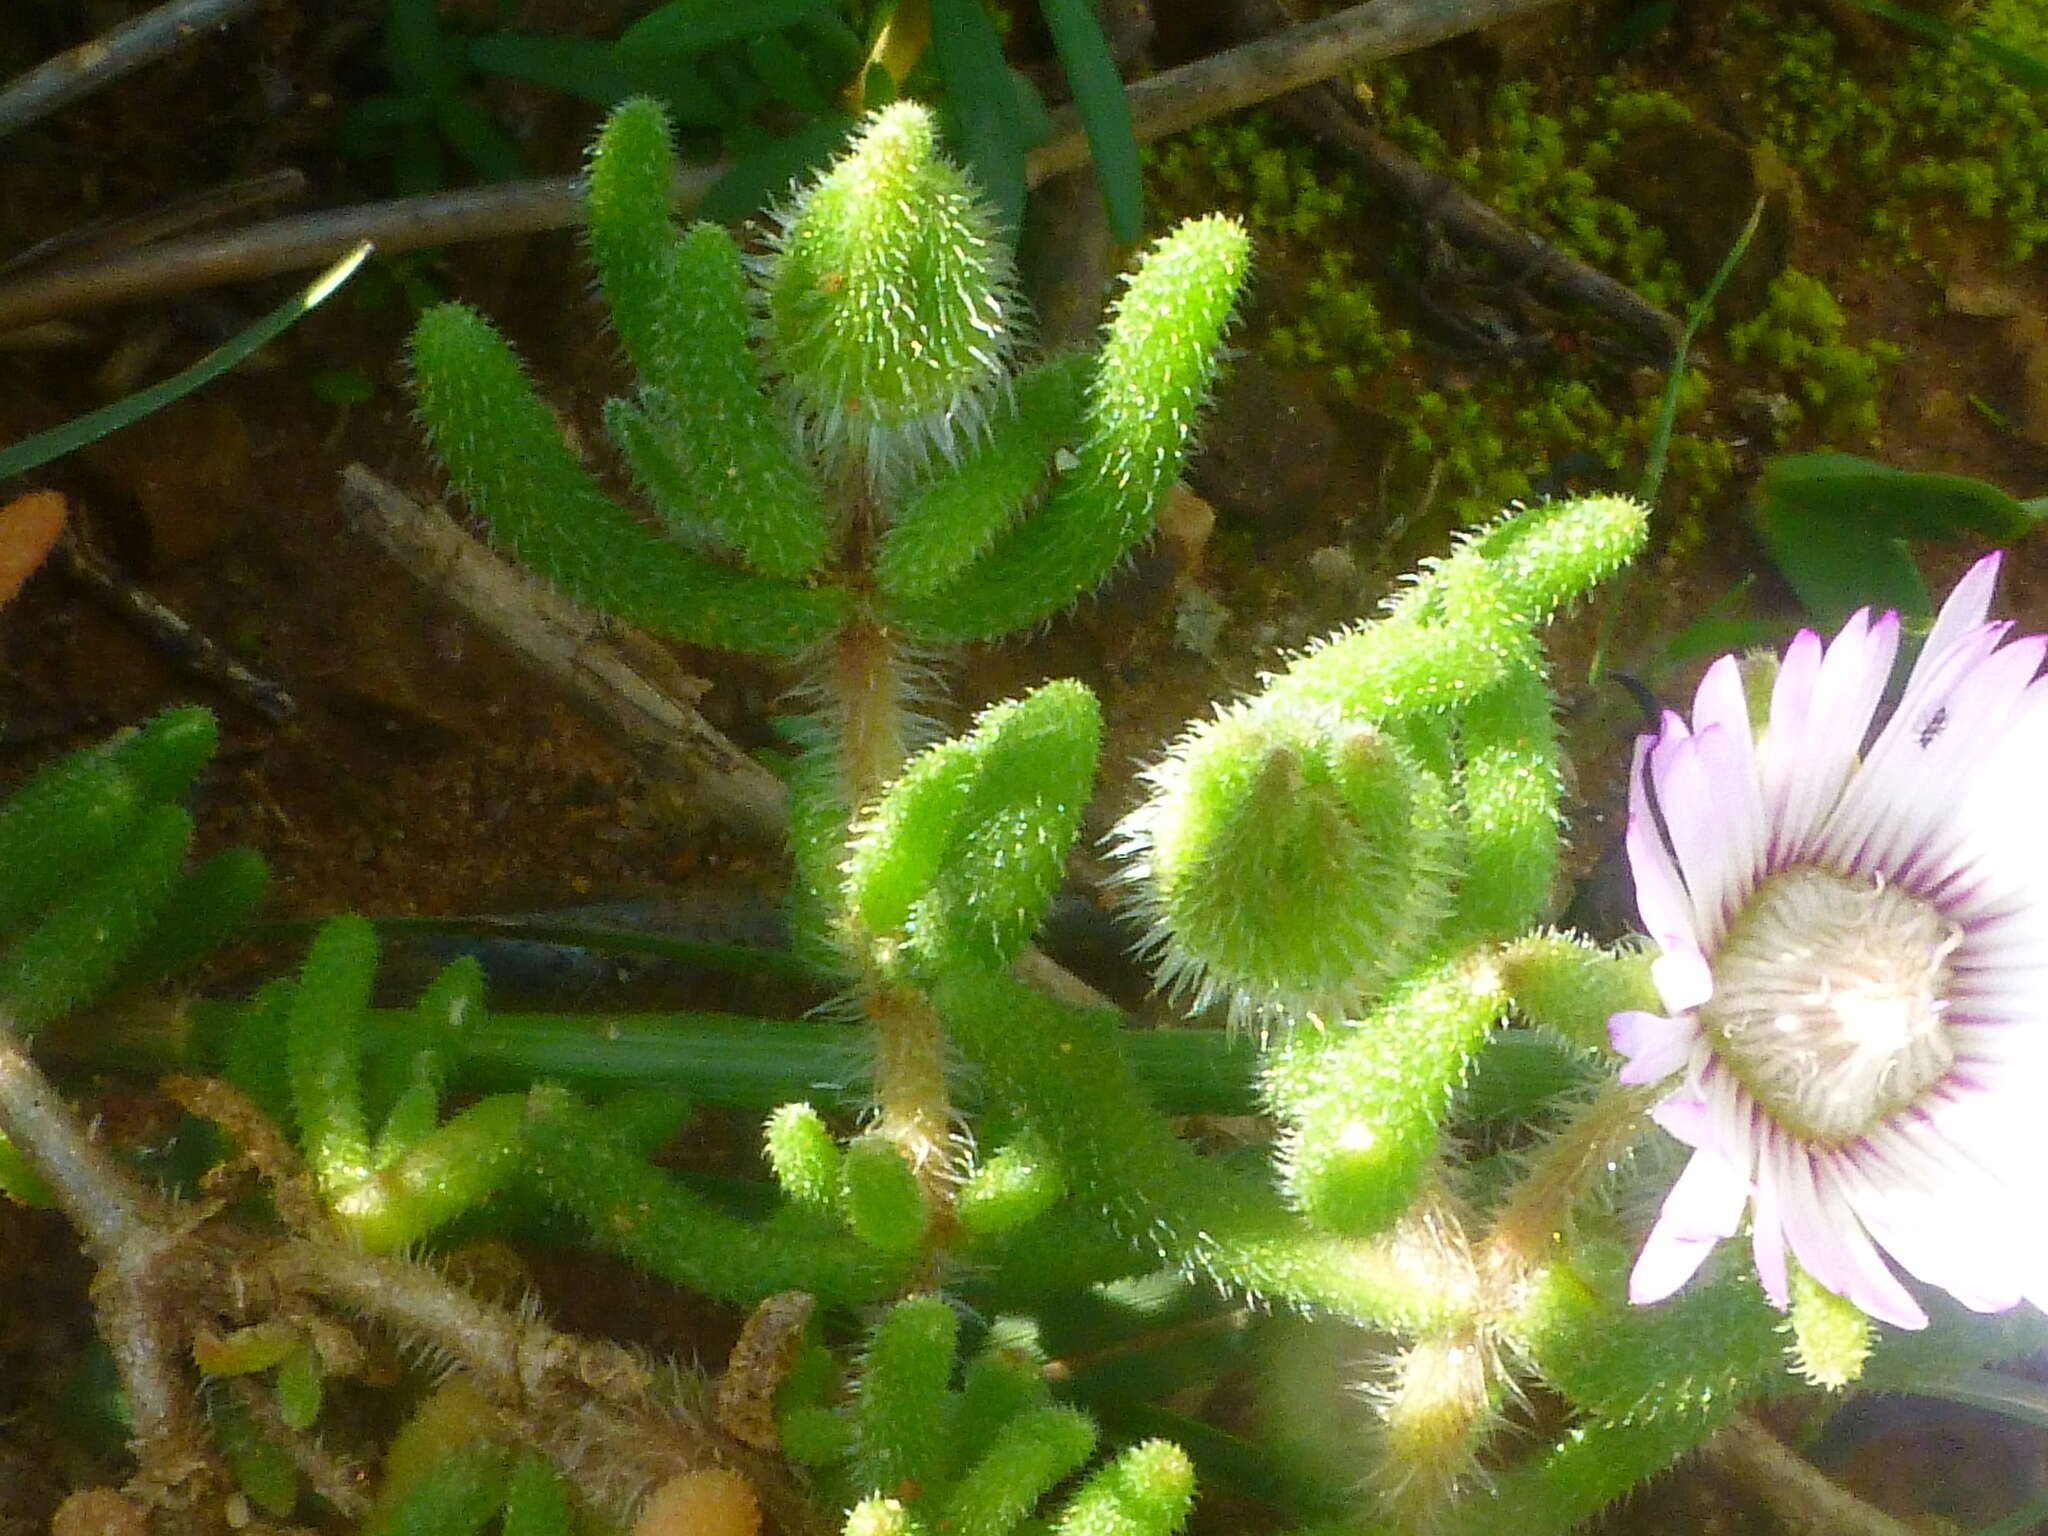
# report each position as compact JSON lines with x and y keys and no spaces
{"x":1289,"y":862}
{"x":890,"y":296}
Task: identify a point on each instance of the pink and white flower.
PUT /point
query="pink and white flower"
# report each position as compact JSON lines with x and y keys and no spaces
{"x":1853,"y":919}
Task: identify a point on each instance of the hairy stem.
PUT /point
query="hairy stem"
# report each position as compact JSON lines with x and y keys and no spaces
{"x":1579,"y":1155}
{"x":866,"y":681}
{"x":614,"y":1423}
{"x":504,"y":1354}
{"x":910,"y":1078}
{"x":108,"y":1207}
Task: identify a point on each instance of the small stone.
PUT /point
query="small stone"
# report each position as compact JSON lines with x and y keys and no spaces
{"x":186,"y":469}
{"x":1185,"y":525}
{"x":1198,"y":622}
{"x":1335,"y":567}
{"x":1762,"y":411}
{"x":100,"y":1512}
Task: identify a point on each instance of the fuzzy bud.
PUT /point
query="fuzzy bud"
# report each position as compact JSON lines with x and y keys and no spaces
{"x":1437,"y":1410}
{"x":1831,"y":1335}
{"x":1289,"y":863}
{"x":890,"y":296}
{"x":1147,"y":1491}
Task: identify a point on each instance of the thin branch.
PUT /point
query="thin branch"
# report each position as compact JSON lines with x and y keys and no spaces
{"x":297,"y":243}
{"x":623,"y":682}
{"x":110,"y":1209}
{"x":108,"y":237}
{"x":1567,"y":1166}
{"x":1164,"y":104}
{"x":134,"y":1238}
{"x":343,"y":1484}
{"x":1240,"y":77}
{"x":1806,"y":1499}
{"x":82,"y":70}
{"x":1326,"y":114}
{"x":510,"y":1357}
{"x":170,"y":634}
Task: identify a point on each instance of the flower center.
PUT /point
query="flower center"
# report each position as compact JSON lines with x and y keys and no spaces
{"x":1828,"y":1001}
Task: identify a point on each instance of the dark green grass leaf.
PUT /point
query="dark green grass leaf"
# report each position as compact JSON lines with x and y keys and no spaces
{"x":1105,"y":115}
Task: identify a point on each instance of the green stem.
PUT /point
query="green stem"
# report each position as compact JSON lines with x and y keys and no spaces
{"x":1062,"y":1069}
{"x":742,"y":1062}
{"x":742,"y":959}
{"x":1565,"y":1168}
{"x":1667,"y":420}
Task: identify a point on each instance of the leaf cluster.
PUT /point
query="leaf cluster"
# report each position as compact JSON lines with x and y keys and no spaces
{"x":878,"y":362}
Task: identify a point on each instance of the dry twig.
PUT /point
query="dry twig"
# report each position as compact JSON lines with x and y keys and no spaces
{"x":1797,"y":1492}
{"x":624,"y":682}
{"x":101,"y":238}
{"x":1179,"y":99}
{"x":1164,"y":104}
{"x":135,"y":1238}
{"x":1326,"y":113}
{"x":82,"y":70}
{"x":171,"y":635}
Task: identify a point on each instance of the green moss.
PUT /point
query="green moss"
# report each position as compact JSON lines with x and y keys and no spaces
{"x":1937,"y":133}
{"x":1478,"y":442}
{"x":1801,"y":334}
{"x":1471,"y":439}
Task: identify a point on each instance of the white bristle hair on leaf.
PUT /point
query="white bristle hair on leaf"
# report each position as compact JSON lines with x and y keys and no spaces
{"x":889,"y":302}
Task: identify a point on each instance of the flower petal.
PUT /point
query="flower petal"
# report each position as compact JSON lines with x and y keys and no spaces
{"x":1808,"y":756}
{"x":1720,"y":704}
{"x":1942,"y":1236}
{"x":1655,"y":1046}
{"x":1967,"y":606}
{"x":1907,"y":810}
{"x":1767,"y":1235}
{"x":1704,"y":1206}
{"x":1684,"y":1115}
{"x":1831,"y":1245}
{"x":1680,"y":973}
{"x":1715,"y":838}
